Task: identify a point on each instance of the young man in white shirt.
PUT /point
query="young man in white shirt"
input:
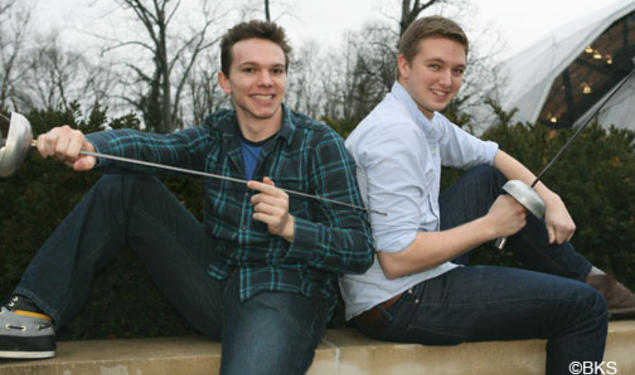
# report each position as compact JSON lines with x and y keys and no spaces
{"x":414,"y":292}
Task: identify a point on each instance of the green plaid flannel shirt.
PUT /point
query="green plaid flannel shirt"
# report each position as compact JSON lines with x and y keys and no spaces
{"x":306,"y":156}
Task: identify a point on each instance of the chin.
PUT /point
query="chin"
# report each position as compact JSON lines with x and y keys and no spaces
{"x":263,"y":115}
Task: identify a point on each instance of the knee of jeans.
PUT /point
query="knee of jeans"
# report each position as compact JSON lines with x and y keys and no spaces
{"x":488,"y":172}
{"x":599,"y":304}
{"x":593,"y":302}
{"x":125,"y":187}
{"x":125,"y":181}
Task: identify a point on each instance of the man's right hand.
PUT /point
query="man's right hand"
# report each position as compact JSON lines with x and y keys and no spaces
{"x":507,"y":216}
{"x":64,"y":144}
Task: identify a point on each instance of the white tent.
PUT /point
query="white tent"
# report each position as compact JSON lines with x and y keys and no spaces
{"x":576,"y":67}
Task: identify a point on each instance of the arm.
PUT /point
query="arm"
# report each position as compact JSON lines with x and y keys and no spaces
{"x":429,"y":249}
{"x":505,"y":217}
{"x":401,"y":179}
{"x":185,"y":148}
{"x":560,"y":225}
{"x":335,"y":238}
{"x":64,"y":144}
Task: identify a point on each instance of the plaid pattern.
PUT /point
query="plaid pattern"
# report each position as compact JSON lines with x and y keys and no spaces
{"x":306,"y":156}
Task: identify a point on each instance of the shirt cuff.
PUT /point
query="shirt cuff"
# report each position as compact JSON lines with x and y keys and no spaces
{"x":100,"y":144}
{"x":305,"y":240}
{"x":491,"y":148}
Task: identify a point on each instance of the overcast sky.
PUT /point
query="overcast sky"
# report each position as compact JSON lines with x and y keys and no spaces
{"x":517,"y":23}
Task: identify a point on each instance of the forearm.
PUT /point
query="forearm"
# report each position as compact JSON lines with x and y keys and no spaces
{"x":340,"y":249}
{"x":512,"y":169}
{"x":560,"y":225}
{"x":179,"y":149}
{"x":430,"y":249}
{"x":333,"y":237}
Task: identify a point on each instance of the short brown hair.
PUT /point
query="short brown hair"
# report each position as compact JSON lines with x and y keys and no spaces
{"x":428,"y":27}
{"x":248,"y":30}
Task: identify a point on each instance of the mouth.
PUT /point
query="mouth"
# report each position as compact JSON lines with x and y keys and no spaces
{"x":441,"y":94}
{"x":263,"y":96}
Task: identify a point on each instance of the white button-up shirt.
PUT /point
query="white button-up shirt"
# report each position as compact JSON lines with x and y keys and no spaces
{"x":399,"y":153}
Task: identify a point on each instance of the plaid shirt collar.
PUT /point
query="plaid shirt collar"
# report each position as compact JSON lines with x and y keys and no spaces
{"x":229,"y":126}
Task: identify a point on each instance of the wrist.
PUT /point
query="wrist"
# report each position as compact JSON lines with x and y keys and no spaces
{"x":545,"y":193}
{"x":487,"y":227}
{"x":289,"y":229}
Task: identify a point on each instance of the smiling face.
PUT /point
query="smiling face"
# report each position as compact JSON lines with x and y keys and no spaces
{"x":434,"y":74}
{"x":257,"y":83}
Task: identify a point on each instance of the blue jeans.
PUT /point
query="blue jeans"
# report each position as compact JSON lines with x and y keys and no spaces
{"x":481,"y":303}
{"x":271,"y":333}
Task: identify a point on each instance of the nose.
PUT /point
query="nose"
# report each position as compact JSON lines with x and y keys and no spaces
{"x":445,"y":77}
{"x":264,"y":78}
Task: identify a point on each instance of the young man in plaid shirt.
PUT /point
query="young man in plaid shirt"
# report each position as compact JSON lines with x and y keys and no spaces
{"x":260,"y":272}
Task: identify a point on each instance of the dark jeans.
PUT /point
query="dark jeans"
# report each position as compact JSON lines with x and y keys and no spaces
{"x":271,"y":333}
{"x":481,"y":303}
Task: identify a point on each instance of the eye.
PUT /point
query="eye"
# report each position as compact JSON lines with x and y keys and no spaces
{"x":458,"y":71}
{"x":248,"y":69}
{"x":434,"y":67}
{"x":277,"y":71}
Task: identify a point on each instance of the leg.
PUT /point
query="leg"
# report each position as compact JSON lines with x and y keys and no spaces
{"x":271,"y":333}
{"x":471,"y":196}
{"x":484,"y":303}
{"x":135,"y":211}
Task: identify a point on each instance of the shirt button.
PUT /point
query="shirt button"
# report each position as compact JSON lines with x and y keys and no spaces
{"x":417,"y":300}
{"x":409,"y":291}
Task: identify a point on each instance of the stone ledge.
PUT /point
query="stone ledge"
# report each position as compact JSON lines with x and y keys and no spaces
{"x":342,"y":352}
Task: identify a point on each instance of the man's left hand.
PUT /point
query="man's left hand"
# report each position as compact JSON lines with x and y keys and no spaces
{"x":560,"y":225}
{"x":271,"y":206}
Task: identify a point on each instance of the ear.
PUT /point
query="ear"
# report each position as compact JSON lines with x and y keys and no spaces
{"x":223,"y":81}
{"x":403,"y":65}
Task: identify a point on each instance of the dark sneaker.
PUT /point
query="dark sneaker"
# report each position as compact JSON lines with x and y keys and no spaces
{"x":620,"y":299}
{"x":24,"y":333}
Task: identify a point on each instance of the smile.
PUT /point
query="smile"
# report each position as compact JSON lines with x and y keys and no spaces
{"x":263,"y":97}
{"x":440,"y":92}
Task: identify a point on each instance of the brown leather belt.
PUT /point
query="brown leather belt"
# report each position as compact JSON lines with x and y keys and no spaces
{"x":371,"y":320}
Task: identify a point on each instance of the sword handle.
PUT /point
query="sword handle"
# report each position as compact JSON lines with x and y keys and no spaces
{"x":500,"y":243}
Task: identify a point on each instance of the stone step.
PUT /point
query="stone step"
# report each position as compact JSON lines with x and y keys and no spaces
{"x":342,"y":352}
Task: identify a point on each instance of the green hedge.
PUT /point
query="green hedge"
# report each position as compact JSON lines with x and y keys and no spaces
{"x":124,"y":301}
{"x":595,"y":178}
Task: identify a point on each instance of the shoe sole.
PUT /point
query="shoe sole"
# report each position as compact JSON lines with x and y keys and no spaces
{"x":27,"y":355}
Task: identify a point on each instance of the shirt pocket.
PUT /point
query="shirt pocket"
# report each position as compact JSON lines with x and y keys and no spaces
{"x":298,"y":204}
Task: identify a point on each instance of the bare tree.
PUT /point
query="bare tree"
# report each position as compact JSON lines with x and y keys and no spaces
{"x":159,"y":99}
{"x":304,"y":93}
{"x":354,"y":78}
{"x":204,"y":95}
{"x":410,"y":10}
{"x":54,"y":77}
{"x":267,"y":14}
{"x":375,"y":48}
{"x":14,"y":24}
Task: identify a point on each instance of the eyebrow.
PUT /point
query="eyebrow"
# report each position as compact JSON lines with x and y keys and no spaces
{"x":259,"y":64}
{"x":440,"y":60}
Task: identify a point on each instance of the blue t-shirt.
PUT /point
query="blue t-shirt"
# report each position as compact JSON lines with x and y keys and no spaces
{"x":251,"y":151}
